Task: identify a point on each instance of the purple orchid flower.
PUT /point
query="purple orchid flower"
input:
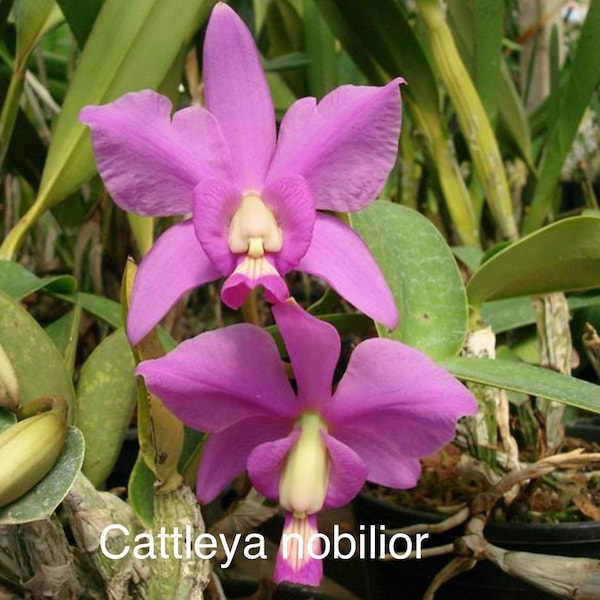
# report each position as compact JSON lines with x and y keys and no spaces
{"x":311,"y":449}
{"x":253,"y":200}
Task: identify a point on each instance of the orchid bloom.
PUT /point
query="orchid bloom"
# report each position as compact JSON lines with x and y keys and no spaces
{"x":253,"y":199}
{"x":311,"y":449}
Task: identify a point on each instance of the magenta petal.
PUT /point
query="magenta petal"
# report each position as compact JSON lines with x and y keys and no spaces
{"x":237,"y":94}
{"x":236,"y":288}
{"x":225,"y":454}
{"x":293,"y":206}
{"x":348,"y":473}
{"x":393,"y":406}
{"x":266,"y":461}
{"x":314,"y":349}
{"x":174,"y":265}
{"x":344,"y":146}
{"x":339,"y":256}
{"x":215,"y":203}
{"x":294,"y":562}
{"x":150,"y":164}
{"x":221,"y":377}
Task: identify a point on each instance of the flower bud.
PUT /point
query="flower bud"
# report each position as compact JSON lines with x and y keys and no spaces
{"x":9,"y":387}
{"x":29,"y":449}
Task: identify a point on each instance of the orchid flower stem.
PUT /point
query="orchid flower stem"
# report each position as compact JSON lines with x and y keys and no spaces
{"x":250,"y":310}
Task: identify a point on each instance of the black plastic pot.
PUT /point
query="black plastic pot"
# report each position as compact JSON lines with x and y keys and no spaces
{"x":408,"y":579}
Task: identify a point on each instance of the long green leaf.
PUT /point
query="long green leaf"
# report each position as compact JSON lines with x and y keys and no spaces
{"x":132,"y":45}
{"x":80,"y":15}
{"x":422,"y":274}
{"x":528,"y":379}
{"x":575,"y":98}
{"x":564,"y":256}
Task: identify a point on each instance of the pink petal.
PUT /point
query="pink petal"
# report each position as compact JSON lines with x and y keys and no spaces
{"x":174,"y":265}
{"x":344,"y":146}
{"x":150,"y":164}
{"x":266,"y":461}
{"x":298,"y":566}
{"x":221,"y":377}
{"x":340,"y":257}
{"x":237,"y":94}
{"x":292,"y":203}
{"x":393,"y":406}
{"x":215,"y":203}
{"x":236,"y":288}
{"x":225,"y":454}
{"x":314,"y":349}
{"x":348,"y":473}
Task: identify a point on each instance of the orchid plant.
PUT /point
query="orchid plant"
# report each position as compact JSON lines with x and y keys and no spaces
{"x":427,"y":245}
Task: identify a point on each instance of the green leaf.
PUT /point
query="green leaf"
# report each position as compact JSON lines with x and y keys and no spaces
{"x":39,"y":367}
{"x":80,"y":15}
{"x":32,"y":19}
{"x":140,"y":492}
{"x":106,"y":394}
{"x":528,"y":379}
{"x":422,"y":274}
{"x":127,"y":37}
{"x":104,"y":308}
{"x":18,"y":282}
{"x":575,"y":97}
{"x":320,"y":46}
{"x":64,"y":332}
{"x":43,"y":499}
{"x":564,"y":256}
{"x":7,"y":418}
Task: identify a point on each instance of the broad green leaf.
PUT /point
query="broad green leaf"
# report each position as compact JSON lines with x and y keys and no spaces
{"x":43,"y":499}
{"x":7,"y":418}
{"x":575,"y":97}
{"x":528,"y":379}
{"x":422,"y":274}
{"x":140,"y":492}
{"x":106,"y":394}
{"x":564,"y":256}
{"x":18,"y":282}
{"x":40,"y":368}
{"x":64,"y":332}
{"x":127,"y":49}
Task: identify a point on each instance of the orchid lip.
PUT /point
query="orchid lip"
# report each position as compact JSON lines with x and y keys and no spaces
{"x":253,"y":229}
{"x":305,"y":475}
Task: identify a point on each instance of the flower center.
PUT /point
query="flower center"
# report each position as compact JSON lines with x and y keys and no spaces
{"x":305,"y":475}
{"x":253,"y":229}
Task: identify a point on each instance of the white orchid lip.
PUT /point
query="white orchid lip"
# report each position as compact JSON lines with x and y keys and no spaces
{"x":253,"y":229}
{"x":305,"y":475}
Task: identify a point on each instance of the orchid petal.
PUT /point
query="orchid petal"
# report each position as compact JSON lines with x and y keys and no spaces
{"x":347,"y":475}
{"x":339,"y":256}
{"x":314,"y":349}
{"x":394,"y":405}
{"x":266,"y":461}
{"x":174,"y":265}
{"x":215,"y":203}
{"x":344,"y":146}
{"x":149,"y":163}
{"x":221,"y":377}
{"x":291,"y":201}
{"x":294,"y":562}
{"x":225,"y":454}
{"x":237,"y":94}
{"x":236,"y":288}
